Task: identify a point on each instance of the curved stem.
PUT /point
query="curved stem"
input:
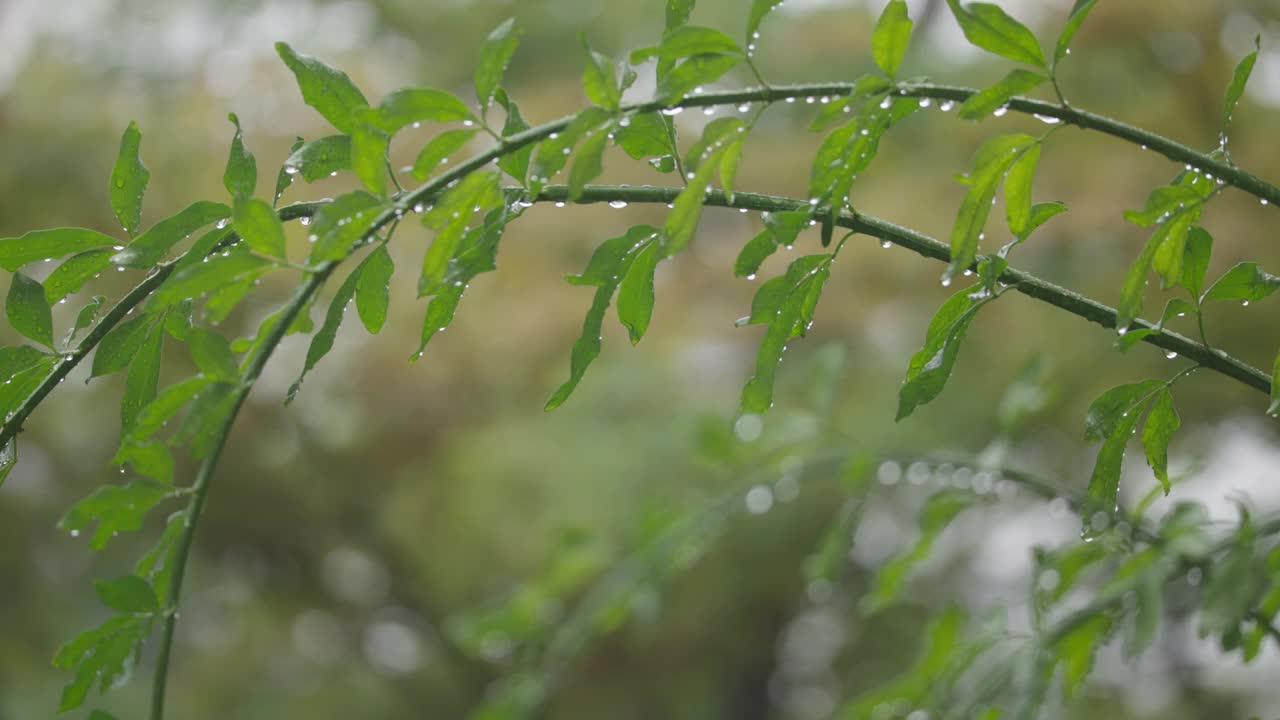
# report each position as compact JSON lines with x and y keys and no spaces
{"x":1023,"y":282}
{"x":200,"y":489}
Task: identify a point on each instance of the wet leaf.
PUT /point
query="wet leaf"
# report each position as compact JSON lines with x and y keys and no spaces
{"x":931,"y":365}
{"x":219,"y":271}
{"x":72,"y":274}
{"x":1074,"y":21}
{"x":373,"y":293}
{"x":241,"y":176}
{"x":988,"y":26}
{"x":40,"y":245}
{"x":477,"y":192}
{"x":588,"y":162}
{"x":1239,"y":79}
{"x":1195,"y":261}
{"x":600,"y":78}
{"x":142,"y":379}
{"x":890,"y":36}
{"x":151,"y":246}
{"x":934,"y":517}
{"x":212,"y":354}
{"x":982,"y":104}
{"x":1245,"y":282}
{"x":435,"y":152}
{"x":992,"y":162}
{"x":1017,"y":190}
{"x":28,"y":310}
{"x":369,"y":150}
{"x":480,"y":256}
{"x":105,"y":656}
{"x":114,"y":509}
{"x":1162,"y":422}
{"x":494,"y":58}
{"x":321,"y":158}
{"x":339,"y":225}
{"x":327,"y":89}
{"x":515,"y":164}
{"x":408,"y":106}
{"x":635,"y":294}
{"x":322,"y":341}
{"x":787,"y":304}
{"x":129,"y":181}
{"x":257,"y":223}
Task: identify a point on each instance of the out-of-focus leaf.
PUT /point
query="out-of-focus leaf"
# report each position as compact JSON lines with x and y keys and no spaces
{"x":150,"y":247}
{"x":156,"y":565}
{"x":114,"y":508}
{"x":494,"y":58}
{"x":129,"y":180}
{"x":981,"y":104}
{"x":1076,"y":650}
{"x":127,"y":594}
{"x":48,"y":244}
{"x":989,"y":27}
{"x":105,"y":656}
{"x":937,"y":513}
{"x":1275,"y":389}
{"x":321,"y":158}
{"x":257,"y":223}
{"x":241,"y":176}
{"x":890,"y":36}
{"x":28,"y":310}
{"x":322,"y":341}
{"x":212,"y":354}
{"x":327,"y":89}
{"x":588,"y":163}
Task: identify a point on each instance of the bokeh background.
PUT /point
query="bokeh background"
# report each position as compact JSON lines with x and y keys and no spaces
{"x":358,"y":542}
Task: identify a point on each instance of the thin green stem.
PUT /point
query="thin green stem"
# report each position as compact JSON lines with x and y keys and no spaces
{"x":1023,"y":282}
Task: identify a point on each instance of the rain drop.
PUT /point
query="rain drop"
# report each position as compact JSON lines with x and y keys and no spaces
{"x":709,"y":111}
{"x":1244,"y":303}
{"x":885,"y":103}
{"x":1262,"y":201}
{"x":946,"y":281}
{"x":886,"y":244}
{"x":559,"y":204}
{"x":305,"y":219}
{"x":744,"y":107}
{"x":752,"y":276}
{"x":617,"y":204}
{"x":1170,"y":354}
{"x":672,"y":111}
{"x":946,"y":105}
{"x":791,"y":100}
{"x":221,"y":223}
{"x":290,"y":170}
{"x":1000,"y":111}
{"x":759,"y":500}
{"x":1047,"y":120}
{"x":925,"y":102}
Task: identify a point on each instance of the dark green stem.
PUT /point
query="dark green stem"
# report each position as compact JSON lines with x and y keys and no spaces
{"x":1023,"y":282}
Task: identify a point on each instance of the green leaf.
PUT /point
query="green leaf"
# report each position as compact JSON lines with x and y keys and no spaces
{"x":480,"y":256}
{"x":241,"y":176}
{"x":114,"y":508}
{"x":1233,"y":585}
{"x":1195,"y":261}
{"x":600,"y":78}
{"x":373,"y":292}
{"x":1040,"y":214}
{"x":257,"y":223}
{"x":212,"y":354}
{"x":1076,"y":649}
{"x":226,"y":298}
{"x":203,"y":424}
{"x":435,"y":152}
{"x":284,"y":178}
{"x":48,"y":244}
{"x":369,"y":150}
{"x":515,"y":164}
{"x":890,"y":36}
{"x":787,"y":304}
{"x":8,"y":458}
{"x":1074,"y":21}
{"x":220,"y":270}
{"x":142,"y":379}
{"x":156,"y":565}
{"x":718,"y":138}
{"x":494,"y":58}
{"x":477,"y":192}
{"x":1163,"y":202}
{"x":759,"y":9}
{"x":553,"y":153}
{"x":983,"y":103}
{"x":588,"y":162}
{"x":321,"y":158}
{"x":643,"y":136}
{"x":1239,"y":79}
{"x":694,"y":72}
{"x":780,"y":228}
{"x":129,"y":181}
{"x":408,"y":106}
{"x":14,"y":360}
{"x":678,"y":12}
{"x":635,"y":294}
{"x":608,"y":264}
{"x":322,"y":341}
{"x":338,"y":226}
{"x":151,"y":246}
{"x":1171,"y":249}
{"x":127,"y":594}
{"x":931,"y":365}
{"x":120,"y":345}
{"x":1111,"y":410}
{"x":990,"y":28}
{"x":28,"y":310}
{"x":71,"y":275}
{"x":1245,"y":282}
{"x":992,"y":162}
{"x":167,"y":404}
{"x":105,"y":655}
{"x":935,"y":515}
{"x":1162,"y":423}
{"x":1017,"y":190}
{"x":324,"y":88}
{"x":1275,"y":389}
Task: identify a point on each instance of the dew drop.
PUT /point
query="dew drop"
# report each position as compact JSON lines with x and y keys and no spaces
{"x":885,"y":103}
{"x":617,"y":204}
{"x":886,"y":244}
{"x":672,"y":111}
{"x":1047,"y":120}
{"x":1170,"y":354}
{"x":305,"y":219}
{"x":744,"y":107}
{"x":709,"y":111}
{"x":946,"y":105}
{"x":790,"y":100}
{"x":1000,"y":111}
{"x":221,"y":223}
{"x":75,"y":533}
{"x":560,"y":203}
{"x":290,"y":170}
{"x":1262,"y":201}
{"x":1244,"y":303}
{"x":468,"y":123}
{"x":946,"y":281}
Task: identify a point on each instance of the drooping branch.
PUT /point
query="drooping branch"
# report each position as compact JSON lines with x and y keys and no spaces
{"x":1022,"y":281}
